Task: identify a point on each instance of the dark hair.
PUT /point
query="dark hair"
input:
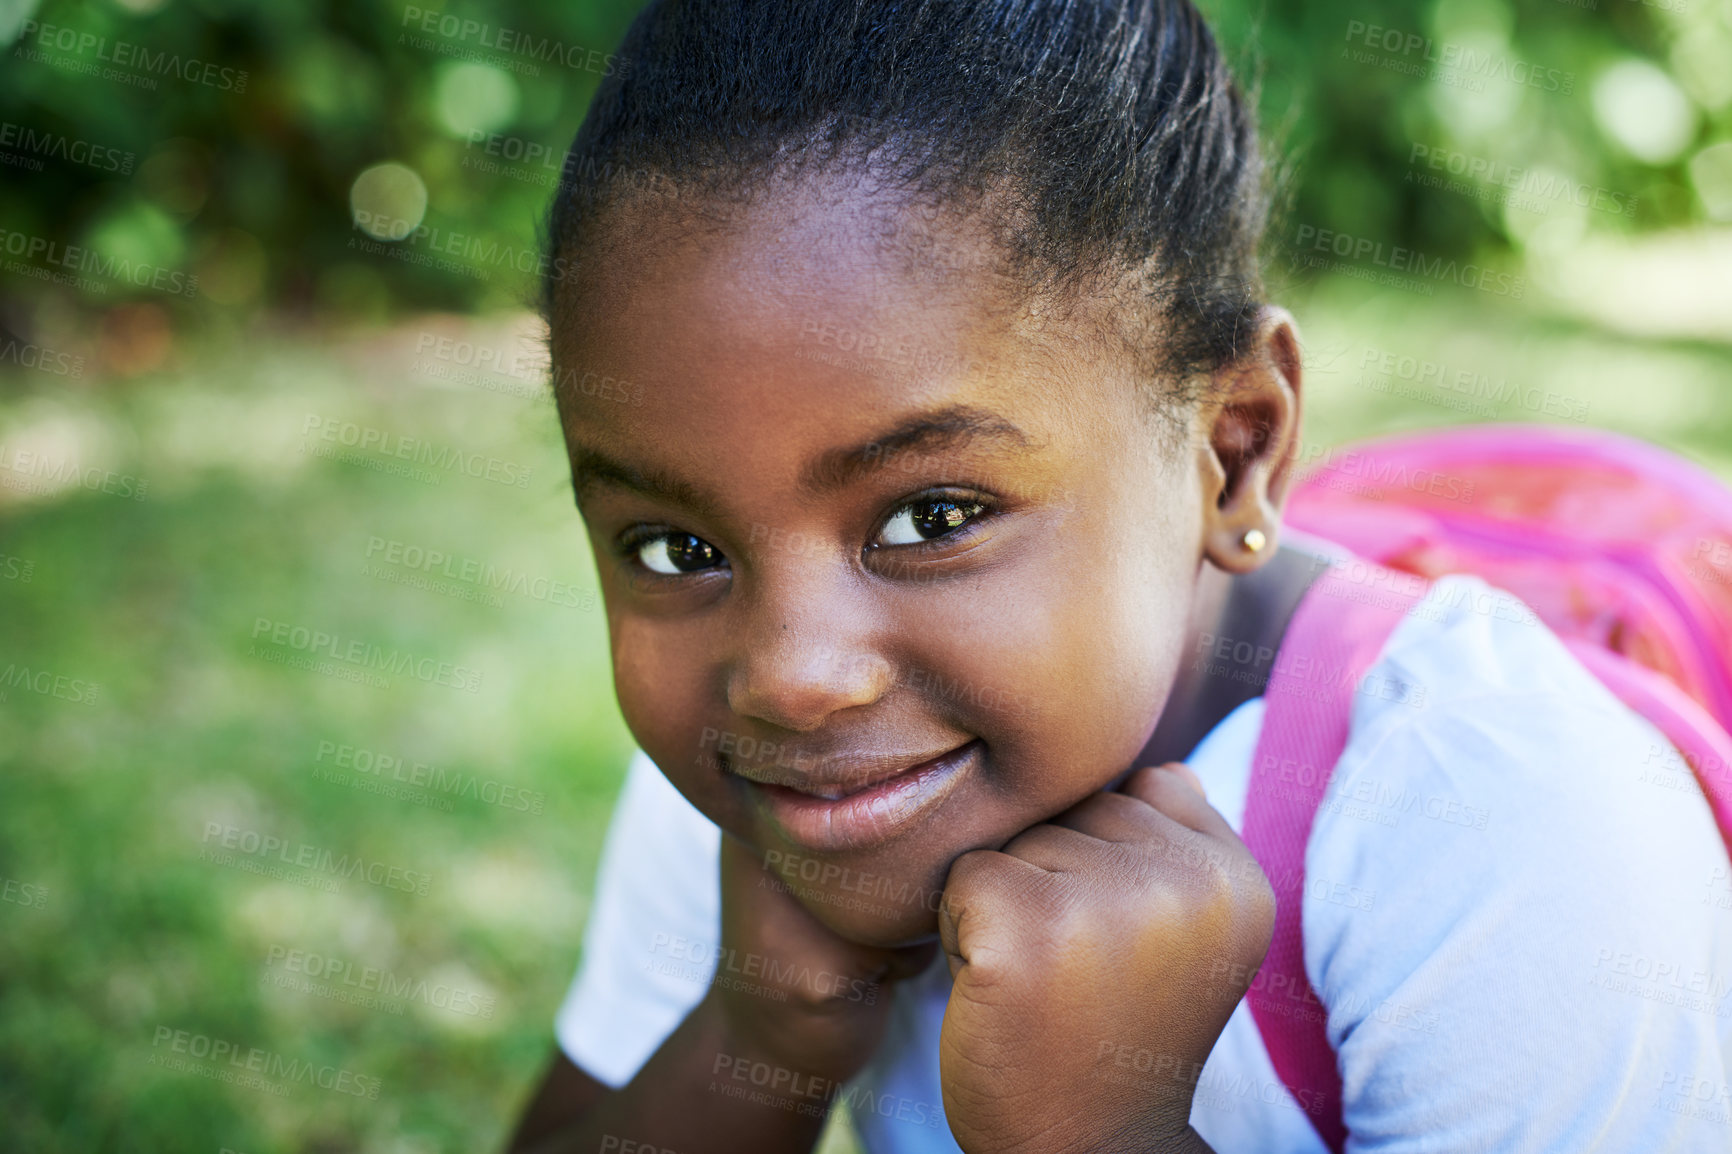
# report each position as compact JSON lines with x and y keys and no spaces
{"x":1105,"y":139}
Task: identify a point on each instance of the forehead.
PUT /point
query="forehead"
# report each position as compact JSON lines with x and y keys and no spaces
{"x":815,"y":311}
{"x":830,"y":250}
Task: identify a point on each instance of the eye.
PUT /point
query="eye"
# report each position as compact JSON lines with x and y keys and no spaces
{"x":676,"y":553}
{"x":928,"y":519}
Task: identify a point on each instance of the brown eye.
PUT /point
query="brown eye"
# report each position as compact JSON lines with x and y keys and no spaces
{"x":927,"y":519}
{"x":675,"y":553}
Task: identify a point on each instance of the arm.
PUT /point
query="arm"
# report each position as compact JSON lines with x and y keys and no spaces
{"x":561,"y":1099}
{"x":677,"y":1102}
{"x":754,"y":1065}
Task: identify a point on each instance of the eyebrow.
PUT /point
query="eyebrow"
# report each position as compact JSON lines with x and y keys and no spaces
{"x":953,"y":428}
{"x":591,"y":468}
{"x":945,"y":429}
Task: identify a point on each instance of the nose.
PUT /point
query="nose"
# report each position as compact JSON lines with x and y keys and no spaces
{"x":794,"y":670}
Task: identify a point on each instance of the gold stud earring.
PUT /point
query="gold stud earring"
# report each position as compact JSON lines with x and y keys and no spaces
{"x":1254,"y":540}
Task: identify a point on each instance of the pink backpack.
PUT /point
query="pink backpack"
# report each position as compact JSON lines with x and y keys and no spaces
{"x":1624,"y":551}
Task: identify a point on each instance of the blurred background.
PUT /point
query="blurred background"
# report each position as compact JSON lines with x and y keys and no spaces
{"x":307,"y":739}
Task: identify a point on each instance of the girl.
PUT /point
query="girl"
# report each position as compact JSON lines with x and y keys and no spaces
{"x":946,"y":526}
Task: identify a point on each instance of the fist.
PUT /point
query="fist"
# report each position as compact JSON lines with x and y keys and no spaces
{"x":1109,"y":930}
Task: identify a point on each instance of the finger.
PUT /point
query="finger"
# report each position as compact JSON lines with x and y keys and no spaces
{"x":1056,"y":848}
{"x":1115,"y":817}
{"x":1175,"y":791}
{"x":1189,"y":775}
{"x":984,"y":888}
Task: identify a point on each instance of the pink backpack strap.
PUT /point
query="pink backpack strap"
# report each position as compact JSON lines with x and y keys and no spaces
{"x":1334,"y":637}
{"x":1698,"y":739}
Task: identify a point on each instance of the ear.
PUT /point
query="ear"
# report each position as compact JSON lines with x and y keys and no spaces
{"x":1248,"y":442}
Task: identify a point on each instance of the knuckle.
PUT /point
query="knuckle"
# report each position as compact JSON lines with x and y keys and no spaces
{"x":1144,"y":784}
{"x":969,"y":873}
{"x":1259,"y":905}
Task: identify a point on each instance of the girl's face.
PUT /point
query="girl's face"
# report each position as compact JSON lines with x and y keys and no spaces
{"x":893,"y":570}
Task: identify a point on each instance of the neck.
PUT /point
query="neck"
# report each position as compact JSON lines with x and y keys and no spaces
{"x":1235,"y":630}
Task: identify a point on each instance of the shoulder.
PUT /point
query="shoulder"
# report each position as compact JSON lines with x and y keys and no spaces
{"x":1473,"y":668}
{"x":1493,"y":857}
{"x":1506,"y":758}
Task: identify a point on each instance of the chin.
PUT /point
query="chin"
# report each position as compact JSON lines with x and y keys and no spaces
{"x":882,"y":928}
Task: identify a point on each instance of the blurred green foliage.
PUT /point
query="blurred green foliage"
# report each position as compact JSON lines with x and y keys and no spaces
{"x":245,"y":177}
{"x":252,"y":185}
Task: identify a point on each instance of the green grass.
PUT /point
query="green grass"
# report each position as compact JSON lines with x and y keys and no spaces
{"x":107,"y":804}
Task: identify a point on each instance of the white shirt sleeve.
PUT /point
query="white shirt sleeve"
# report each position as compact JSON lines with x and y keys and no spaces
{"x":649,"y":948}
{"x":1508,"y":915}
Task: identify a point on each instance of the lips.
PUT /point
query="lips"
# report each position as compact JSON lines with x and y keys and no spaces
{"x":831,"y":777}
{"x":850,"y":803}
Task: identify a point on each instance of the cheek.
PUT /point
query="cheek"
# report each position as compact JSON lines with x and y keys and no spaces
{"x":661,"y":697}
{"x":1062,"y":661}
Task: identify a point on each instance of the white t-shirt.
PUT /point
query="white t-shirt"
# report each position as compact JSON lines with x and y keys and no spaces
{"x":1516,"y":914}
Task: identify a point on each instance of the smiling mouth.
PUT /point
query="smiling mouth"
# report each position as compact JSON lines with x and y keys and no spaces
{"x":835,"y":777}
{"x":853,"y":806}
